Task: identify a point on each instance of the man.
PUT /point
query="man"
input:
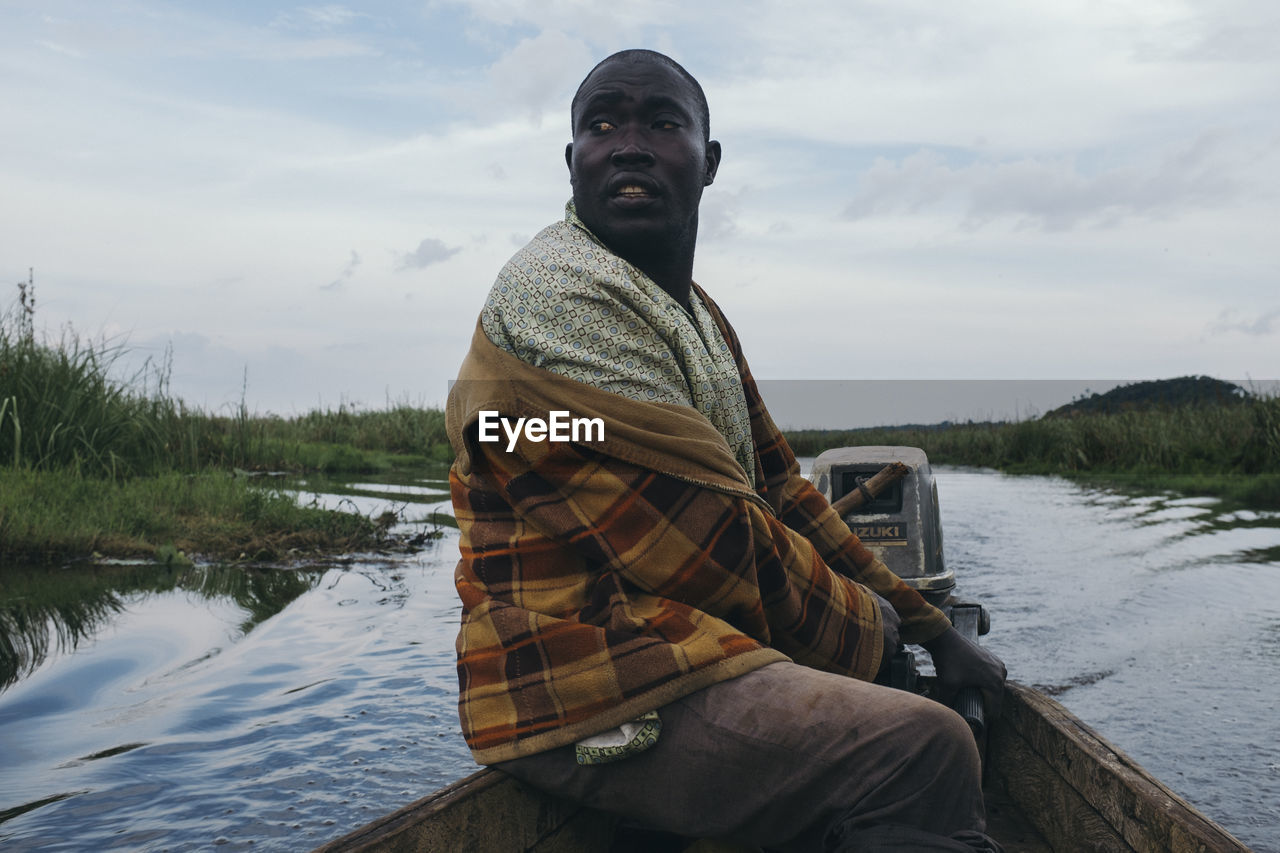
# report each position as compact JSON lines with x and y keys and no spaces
{"x":665,"y":620}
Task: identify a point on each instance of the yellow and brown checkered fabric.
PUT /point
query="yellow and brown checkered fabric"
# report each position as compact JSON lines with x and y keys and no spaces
{"x":602,"y":580}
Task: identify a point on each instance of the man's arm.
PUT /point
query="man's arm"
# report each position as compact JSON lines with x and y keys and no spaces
{"x":802,"y":508}
{"x":959,"y":663}
{"x":718,"y":553}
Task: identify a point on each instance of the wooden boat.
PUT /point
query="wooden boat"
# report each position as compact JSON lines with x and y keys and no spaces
{"x":1052,"y":784}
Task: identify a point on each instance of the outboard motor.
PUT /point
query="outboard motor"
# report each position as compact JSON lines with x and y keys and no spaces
{"x":901,"y":525}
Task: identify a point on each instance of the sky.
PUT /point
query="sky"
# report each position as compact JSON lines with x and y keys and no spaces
{"x":303,"y":206}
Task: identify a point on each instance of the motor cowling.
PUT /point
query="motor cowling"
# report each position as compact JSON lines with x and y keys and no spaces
{"x":902,"y":525}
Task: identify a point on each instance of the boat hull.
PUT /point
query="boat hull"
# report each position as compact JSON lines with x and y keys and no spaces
{"x":1053,"y":785}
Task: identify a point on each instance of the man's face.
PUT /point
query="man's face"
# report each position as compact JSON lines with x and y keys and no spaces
{"x":639,"y":158}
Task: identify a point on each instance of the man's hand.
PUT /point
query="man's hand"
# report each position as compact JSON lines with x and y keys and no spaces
{"x":960,"y":663}
{"x":889,"y":622}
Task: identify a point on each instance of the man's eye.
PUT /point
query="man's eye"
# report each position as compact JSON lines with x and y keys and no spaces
{"x":602,"y":126}
{"x":665,"y":124}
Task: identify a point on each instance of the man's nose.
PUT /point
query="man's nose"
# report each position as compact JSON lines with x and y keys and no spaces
{"x":632,"y":152}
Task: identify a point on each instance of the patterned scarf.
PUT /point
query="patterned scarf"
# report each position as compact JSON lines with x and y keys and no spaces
{"x":566,"y":304}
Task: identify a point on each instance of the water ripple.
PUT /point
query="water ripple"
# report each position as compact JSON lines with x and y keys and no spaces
{"x":194,"y":718}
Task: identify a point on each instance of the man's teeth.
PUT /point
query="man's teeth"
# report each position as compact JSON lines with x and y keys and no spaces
{"x":632,"y":191}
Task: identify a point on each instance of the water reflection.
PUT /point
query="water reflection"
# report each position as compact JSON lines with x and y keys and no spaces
{"x":184,"y":709}
{"x":46,"y":611}
{"x":415,"y":500}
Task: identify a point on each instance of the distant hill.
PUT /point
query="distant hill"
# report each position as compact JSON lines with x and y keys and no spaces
{"x":1156,"y":394}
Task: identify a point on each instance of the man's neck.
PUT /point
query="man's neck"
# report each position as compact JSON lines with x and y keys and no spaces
{"x":671,"y":268}
{"x":676,"y":278}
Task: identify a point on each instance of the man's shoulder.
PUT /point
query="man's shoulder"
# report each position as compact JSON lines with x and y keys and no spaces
{"x":559,"y":247}
{"x":541,"y":288}
{"x":561,"y":261}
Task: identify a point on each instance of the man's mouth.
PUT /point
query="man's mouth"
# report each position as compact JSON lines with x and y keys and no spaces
{"x":634,"y":188}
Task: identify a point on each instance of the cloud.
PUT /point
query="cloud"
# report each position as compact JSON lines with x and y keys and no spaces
{"x":1267,"y":323}
{"x":329,"y":16}
{"x":599,"y":23}
{"x":60,"y":48}
{"x":143,"y":32}
{"x":1231,"y":31}
{"x":718,"y":215}
{"x":988,"y":114}
{"x":347,"y":272}
{"x":430,"y":251}
{"x":538,"y":71}
{"x":1049,"y":193}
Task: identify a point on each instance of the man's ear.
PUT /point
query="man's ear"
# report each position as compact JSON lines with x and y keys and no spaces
{"x":568,"y":159}
{"x":713,"y":162}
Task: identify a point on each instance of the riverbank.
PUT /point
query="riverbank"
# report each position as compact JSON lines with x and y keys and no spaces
{"x":92,"y":463}
{"x":221,"y":505}
{"x":175,"y":483}
{"x":49,"y":517}
{"x":1229,"y":450}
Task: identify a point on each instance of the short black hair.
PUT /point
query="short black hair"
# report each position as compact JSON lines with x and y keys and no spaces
{"x":639,"y":54}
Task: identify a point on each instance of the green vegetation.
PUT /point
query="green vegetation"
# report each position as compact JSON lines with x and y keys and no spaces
{"x":90,"y":463}
{"x":1159,"y":394}
{"x":46,"y":516}
{"x":1229,"y":448}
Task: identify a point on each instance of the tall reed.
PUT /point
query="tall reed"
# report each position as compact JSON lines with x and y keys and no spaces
{"x":62,"y":408}
{"x":59,"y":408}
{"x":1240,"y":441}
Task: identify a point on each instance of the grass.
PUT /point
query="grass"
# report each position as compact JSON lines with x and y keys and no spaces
{"x":1231,"y":451}
{"x":50,"y":516}
{"x":93,"y":463}
{"x":342,"y":440}
{"x":61,"y":409}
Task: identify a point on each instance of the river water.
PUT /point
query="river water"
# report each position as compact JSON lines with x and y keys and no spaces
{"x":234,"y":707}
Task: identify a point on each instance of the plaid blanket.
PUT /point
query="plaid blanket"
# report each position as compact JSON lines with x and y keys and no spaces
{"x":600,"y":580}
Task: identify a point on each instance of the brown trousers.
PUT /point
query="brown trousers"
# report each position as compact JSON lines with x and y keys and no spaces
{"x":779,"y":757}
